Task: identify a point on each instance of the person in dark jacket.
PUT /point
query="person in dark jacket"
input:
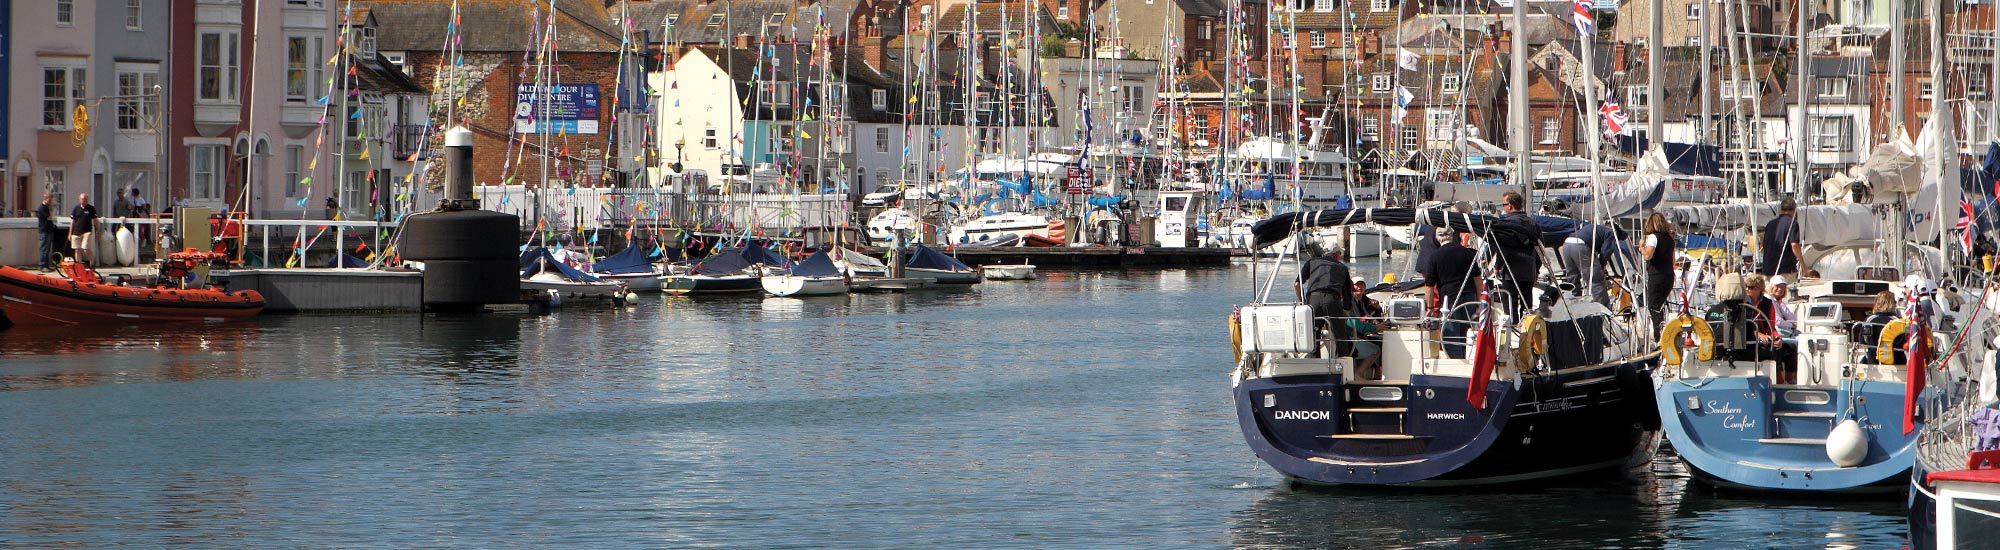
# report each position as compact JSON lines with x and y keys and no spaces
{"x":1454,"y":276}
{"x":1521,"y":265}
{"x":45,"y":227}
{"x":1326,"y":284}
{"x":1779,"y":245}
{"x":82,"y":221}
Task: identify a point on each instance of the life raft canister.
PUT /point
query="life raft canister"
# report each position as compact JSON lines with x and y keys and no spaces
{"x":1670,"y":340}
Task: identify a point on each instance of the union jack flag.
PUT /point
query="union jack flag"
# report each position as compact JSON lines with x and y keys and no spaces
{"x":1614,"y":117}
{"x":1964,"y":225}
{"x":1580,"y":14}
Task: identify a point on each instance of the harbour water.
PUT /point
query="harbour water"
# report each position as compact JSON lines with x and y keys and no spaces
{"x":1085,"y":409}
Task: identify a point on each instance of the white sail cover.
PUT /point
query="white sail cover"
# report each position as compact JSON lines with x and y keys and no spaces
{"x":1824,"y":226}
{"x":1934,"y":208}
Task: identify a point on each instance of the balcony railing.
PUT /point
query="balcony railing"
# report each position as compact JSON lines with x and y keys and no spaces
{"x":409,"y":139}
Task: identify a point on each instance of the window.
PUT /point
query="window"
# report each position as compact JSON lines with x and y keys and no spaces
{"x":715,"y":20}
{"x":1835,"y":87}
{"x":217,"y":69}
{"x":1322,"y":5}
{"x":137,"y":103}
{"x":1694,"y":10}
{"x":1635,"y":97}
{"x":1131,"y":99}
{"x":878,"y":99}
{"x":1741,"y":90}
{"x":1409,"y":138}
{"x":668,"y":26}
{"x":709,"y":139}
{"x":1062,"y":13}
{"x":1201,"y":127}
{"x":1833,"y":133}
{"x":62,"y":91}
{"x":1371,"y":127}
{"x":1207,"y":29}
{"x":368,"y":41}
{"x":303,"y":67}
{"x":1452,"y":82}
{"x":881,"y":140}
{"x":936,"y":141}
{"x":134,"y":14}
{"x":1318,"y":39}
{"x":1551,"y":130}
{"x":205,"y":163}
{"x":781,"y":94}
{"x":1441,"y":124}
{"x":295,"y":156}
{"x":882,"y":178}
{"x":772,"y":23}
{"x":1924,"y":89}
{"x":1381,"y":83}
{"x":1378,"y":5}
{"x":65,"y":12}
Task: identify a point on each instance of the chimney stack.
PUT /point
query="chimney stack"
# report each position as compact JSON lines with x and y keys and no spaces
{"x":872,"y":45}
{"x":743,"y":41}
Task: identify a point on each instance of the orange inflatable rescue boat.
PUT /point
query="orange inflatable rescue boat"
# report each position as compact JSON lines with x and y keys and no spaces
{"x":31,"y":300}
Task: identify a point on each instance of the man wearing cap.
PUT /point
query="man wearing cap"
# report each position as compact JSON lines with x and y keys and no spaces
{"x":1781,"y":311}
{"x":1324,"y":284}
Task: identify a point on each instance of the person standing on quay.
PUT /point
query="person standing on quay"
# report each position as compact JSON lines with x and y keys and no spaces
{"x":82,"y":219}
{"x":45,"y":227}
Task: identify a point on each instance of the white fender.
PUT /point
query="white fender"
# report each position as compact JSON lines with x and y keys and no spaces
{"x":555,"y":297}
{"x":1847,"y":445}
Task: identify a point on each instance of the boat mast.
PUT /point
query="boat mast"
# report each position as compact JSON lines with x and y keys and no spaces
{"x":1517,"y":100}
{"x":1655,"y":123}
{"x":1896,"y":72}
{"x":1937,"y":121}
{"x":1801,"y":77}
{"x":1588,"y":76}
{"x":1707,"y":96}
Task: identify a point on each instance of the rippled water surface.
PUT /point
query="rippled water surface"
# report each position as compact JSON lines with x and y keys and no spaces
{"x":1082,"y":410}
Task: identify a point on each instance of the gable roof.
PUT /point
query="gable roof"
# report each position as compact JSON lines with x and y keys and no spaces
{"x":489,"y":25}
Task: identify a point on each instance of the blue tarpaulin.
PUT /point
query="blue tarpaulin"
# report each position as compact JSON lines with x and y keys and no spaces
{"x":633,"y":259}
{"x":816,"y":265}
{"x":538,"y":259}
{"x":922,"y":257}
{"x":734,"y":261}
{"x":1106,"y":201}
{"x":345,"y":260}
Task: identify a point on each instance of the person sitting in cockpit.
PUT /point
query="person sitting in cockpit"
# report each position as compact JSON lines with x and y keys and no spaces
{"x":1868,"y":332}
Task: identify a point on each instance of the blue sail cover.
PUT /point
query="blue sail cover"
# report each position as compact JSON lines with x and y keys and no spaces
{"x":538,"y":259}
{"x":1106,"y":201}
{"x":734,"y":261}
{"x":922,"y":257}
{"x":633,"y":259}
{"x":816,"y":265}
{"x":345,"y":260}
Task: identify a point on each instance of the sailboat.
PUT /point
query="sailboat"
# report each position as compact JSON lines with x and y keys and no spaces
{"x":1565,"y":393}
{"x":814,"y":276}
{"x":927,"y":263}
{"x":728,"y":271}
{"x":542,"y":272}
{"x":632,"y":266}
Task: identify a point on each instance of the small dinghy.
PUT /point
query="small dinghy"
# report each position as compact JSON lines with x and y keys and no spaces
{"x":632,"y":266}
{"x":816,"y":276}
{"x":1008,"y":272}
{"x":930,"y":264}
{"x":729,"y":271}
{"x":542,"y":272}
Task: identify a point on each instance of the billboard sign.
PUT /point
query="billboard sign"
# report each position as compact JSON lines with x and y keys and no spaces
{"x":570,"y":108}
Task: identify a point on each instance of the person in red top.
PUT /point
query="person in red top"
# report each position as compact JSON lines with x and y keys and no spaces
{"x":1766,"y":327}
